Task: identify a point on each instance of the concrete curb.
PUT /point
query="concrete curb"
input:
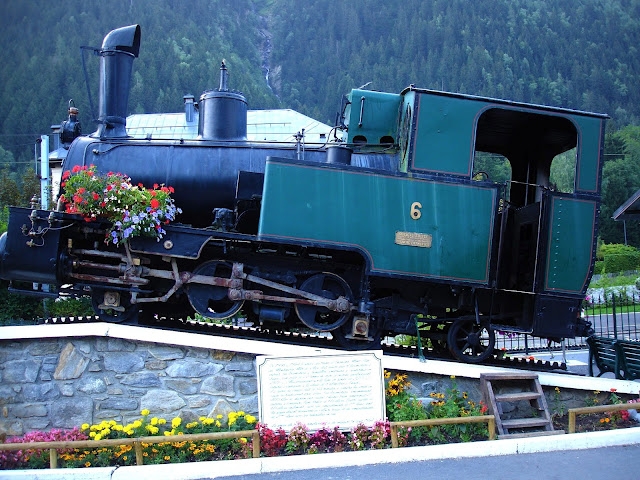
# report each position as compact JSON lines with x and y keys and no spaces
{"x":220,"y":469}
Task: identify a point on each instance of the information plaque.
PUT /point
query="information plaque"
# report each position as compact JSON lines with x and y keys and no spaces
{"x":324,"y":390}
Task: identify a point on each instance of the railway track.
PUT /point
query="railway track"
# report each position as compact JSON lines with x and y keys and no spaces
{"x":313,"y":339}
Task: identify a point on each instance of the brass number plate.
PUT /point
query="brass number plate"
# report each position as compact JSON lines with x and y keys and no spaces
{"x":412,"y":239}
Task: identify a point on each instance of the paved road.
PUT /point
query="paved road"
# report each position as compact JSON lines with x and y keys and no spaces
{"x":608,"y":463}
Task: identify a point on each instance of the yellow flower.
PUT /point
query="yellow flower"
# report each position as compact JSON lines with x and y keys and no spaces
{"x":175,"y":423}
{"x":92,"y":434}
{"x":97,"y":437}
{"x":137,"y":424}
{"x":250,"y":419}
{"x":85,"y":426}
{"x":219,"y":416}
{"x":144,"y":412}
{"x":87,"y":464}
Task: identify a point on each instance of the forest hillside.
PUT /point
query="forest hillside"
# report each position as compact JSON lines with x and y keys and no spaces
{"x":581,"y":54}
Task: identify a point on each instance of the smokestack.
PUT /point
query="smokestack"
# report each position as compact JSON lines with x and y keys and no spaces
{"x":223,"y":112}
{"x":119,"y":48}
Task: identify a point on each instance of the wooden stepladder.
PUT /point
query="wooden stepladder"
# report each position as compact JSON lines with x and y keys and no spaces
{"x":499,"y":389}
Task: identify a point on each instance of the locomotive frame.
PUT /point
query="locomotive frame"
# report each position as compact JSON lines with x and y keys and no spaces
{"x":388,"y":231}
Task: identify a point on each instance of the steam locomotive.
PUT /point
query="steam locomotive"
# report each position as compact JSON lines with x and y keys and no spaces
{"x":387,"y":229}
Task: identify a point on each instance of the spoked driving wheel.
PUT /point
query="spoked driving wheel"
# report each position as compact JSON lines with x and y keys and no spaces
{"x":211,"y":301}
{"x":327,"y":285}
{"x":112,"y":306}
{"x":470,"y":342}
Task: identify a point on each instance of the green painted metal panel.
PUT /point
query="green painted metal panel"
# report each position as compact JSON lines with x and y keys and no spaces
{"x":571,"y":244}
{"x":588,"y":167}
{"x":450,"y":239}
{"x":374,"y":117}
{"x":446,"y":126}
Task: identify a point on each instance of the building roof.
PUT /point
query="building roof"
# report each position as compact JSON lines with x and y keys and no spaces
{"x":262,"y":125}
{"x":629,"y":210}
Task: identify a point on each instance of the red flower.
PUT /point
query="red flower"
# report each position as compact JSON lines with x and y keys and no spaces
{"x":76,"y":169}
{"x":95,"y":196}
{"x":155,"y":186}
{"x":81,"y":190}
{"x":66,"y":174}
{"x":109,"y":187}
{"x":155,"y":203}
{"x":171,"y":190}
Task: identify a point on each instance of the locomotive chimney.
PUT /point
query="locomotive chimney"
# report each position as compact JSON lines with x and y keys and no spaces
{"x":119,"y":48}
{"x":223,"y":112}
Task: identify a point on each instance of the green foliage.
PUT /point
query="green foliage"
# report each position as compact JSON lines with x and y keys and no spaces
{"x":616,"y":258}
{"x":621,"y":179}
{"x":4,"y":219}
{"x":402,"y":406}
{"x":15,"y":308}
{"x":454,"y":403}
{"x":69,"y":307}
{"x":621,"y":263}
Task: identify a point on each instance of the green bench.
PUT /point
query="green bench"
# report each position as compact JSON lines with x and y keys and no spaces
{"x":620,"y":357}
{"x":629,"y":359}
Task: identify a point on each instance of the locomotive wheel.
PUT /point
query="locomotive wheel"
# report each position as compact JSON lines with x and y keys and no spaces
{"x":210,"y":301}
{"x":327,"y":285}
{"x":470,"y":342}
{"x":112,"y":306}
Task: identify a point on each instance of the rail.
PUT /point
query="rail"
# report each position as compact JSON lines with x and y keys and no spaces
{"x":137,"y":442}
{"x":573,"y":412}
{"x":490,"y":420}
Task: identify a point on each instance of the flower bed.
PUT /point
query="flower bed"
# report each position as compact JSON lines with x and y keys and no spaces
{"x":401,"y":406}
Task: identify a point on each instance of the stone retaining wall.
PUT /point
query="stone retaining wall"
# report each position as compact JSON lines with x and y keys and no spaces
{"x":65,"y":382}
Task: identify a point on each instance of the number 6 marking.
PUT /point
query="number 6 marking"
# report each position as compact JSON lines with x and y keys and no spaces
{"x":415,"y":210}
